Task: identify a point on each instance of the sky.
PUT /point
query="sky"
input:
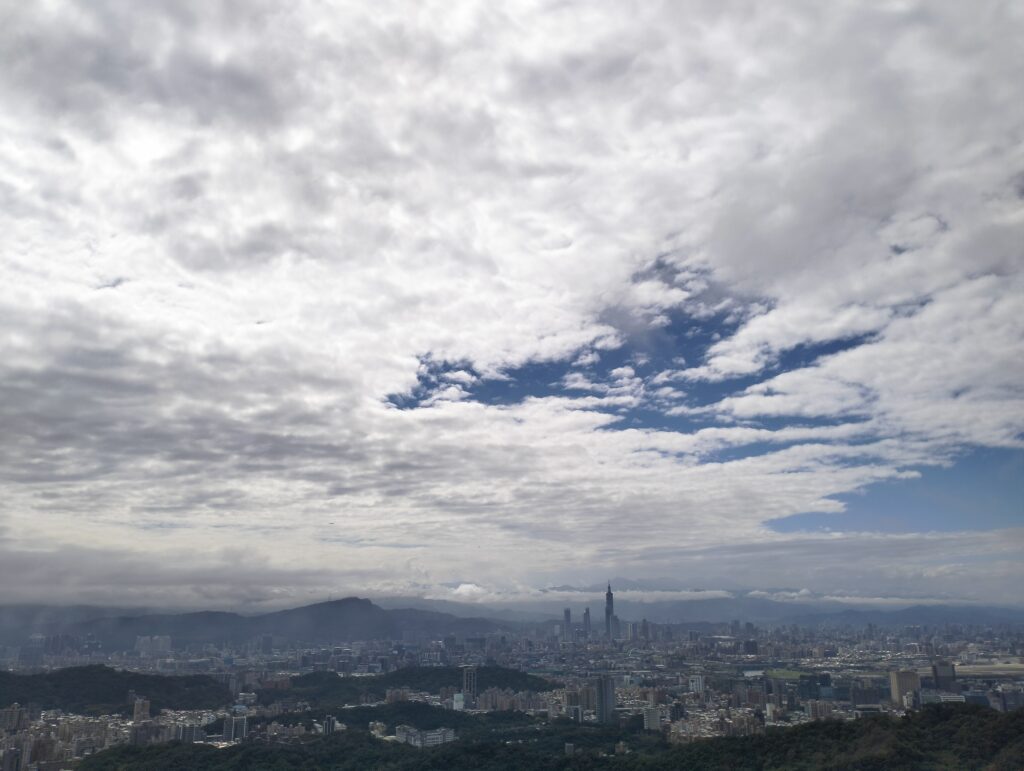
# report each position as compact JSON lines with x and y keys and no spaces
{"x":468,"y":300}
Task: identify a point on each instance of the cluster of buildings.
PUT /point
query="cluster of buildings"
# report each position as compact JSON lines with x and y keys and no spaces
{"x":406,"y":734}
{"x":909,"y":690}
{"x":50,"y":740}
{"x":686,"y":681}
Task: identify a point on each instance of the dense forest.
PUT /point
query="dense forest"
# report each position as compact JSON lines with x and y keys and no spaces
{"x":433,"y":679}
{"x":948,"y":736}
{"x":326,"y":689}
{"x":414,"y":713}
{"x":97,"y":690}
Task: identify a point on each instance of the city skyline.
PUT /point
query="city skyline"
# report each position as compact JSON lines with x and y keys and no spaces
{"x":492,"y":305}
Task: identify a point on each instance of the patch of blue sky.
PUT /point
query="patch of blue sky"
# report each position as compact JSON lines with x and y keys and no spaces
{"x":754,"y":449}
{"x":806,"y":354}
{"x":982,"y":490}
{"x":683,"y":342}
{"x":647,"y":351}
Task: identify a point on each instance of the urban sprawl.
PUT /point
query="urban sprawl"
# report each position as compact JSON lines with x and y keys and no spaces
{"x":733,"y":679}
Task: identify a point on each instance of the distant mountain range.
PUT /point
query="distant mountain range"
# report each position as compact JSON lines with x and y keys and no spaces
{"x":764,"y":611}
{"x":699,"y":612}
{"x":348,"y":619}
{"x":918,"y":615}
{"x":360,"y":619}
{"x":724,"y":609}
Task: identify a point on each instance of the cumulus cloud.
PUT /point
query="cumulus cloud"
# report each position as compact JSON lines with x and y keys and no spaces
{"x":233,"y":236}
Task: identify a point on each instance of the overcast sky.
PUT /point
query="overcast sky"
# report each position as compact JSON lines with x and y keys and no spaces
{"x":464,"y":300}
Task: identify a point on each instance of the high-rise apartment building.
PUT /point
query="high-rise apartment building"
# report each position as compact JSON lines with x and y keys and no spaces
{"x":235,"y":728}
{"x":189,"y":734}
{"x":944,"y":675}
{"x":902,"y":682}
{"x":588,"y":697}
{"x":140,"y":710}
{"x":14,"y":718}
{"x":605,"y":687}
{"x":11,"y":760}
{"x":817,"y":709}
{"x":469,"y":686}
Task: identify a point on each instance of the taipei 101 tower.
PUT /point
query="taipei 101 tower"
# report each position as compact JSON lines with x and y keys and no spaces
{"x":609,"y":611}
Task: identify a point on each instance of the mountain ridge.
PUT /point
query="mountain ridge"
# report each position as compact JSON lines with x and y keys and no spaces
{"x":354,"y":618}
{"x":351,"y":618}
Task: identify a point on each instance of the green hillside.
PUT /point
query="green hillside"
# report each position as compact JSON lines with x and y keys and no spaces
{"x":433,"y":679}
{"x":96,"y":690}
{"x":327,"y":689}
{"x":944,"y":737}
{"x":415,"y":713}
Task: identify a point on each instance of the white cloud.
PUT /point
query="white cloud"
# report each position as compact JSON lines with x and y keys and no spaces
{"x":232,"y":232}
{"x":622,"y":373}
{"x":461,"y":376}
{"x":468,"y":591}
{"x":950,"y":372}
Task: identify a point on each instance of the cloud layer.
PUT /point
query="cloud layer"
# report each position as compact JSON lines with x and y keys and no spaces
{"x":260,"y":264}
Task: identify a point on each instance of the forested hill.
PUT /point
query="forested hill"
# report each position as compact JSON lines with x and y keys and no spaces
{"x":96,"y":690}
{"x":433,"y":679}
{"x":325,"y":689}
{"x":944,"y":737}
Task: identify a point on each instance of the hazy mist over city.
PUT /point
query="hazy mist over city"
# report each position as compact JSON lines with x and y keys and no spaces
{"x":475,"y":307}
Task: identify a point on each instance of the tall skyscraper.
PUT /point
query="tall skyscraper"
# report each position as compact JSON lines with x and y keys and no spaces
{"x":586,"y":623}
{"x":567,"y":624}
{"x":605,"y":687}
{"x":609,"y":611}
{"x":469,"y":683}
